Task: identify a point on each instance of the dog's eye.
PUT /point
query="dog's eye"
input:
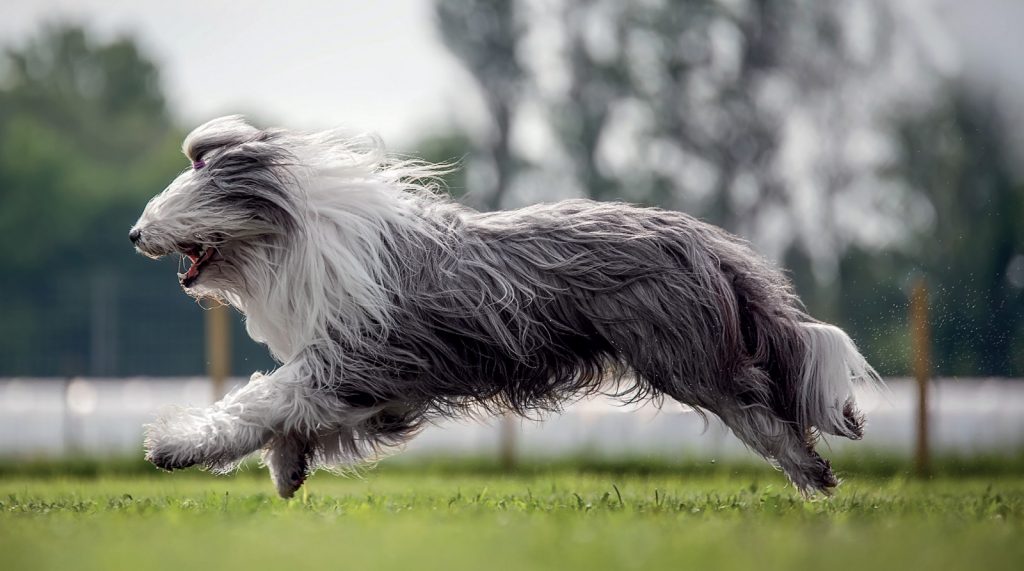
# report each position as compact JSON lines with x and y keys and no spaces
{"x":198,"y":164}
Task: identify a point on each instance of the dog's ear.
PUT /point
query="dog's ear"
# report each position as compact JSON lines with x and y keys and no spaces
{"x":217,"y":133}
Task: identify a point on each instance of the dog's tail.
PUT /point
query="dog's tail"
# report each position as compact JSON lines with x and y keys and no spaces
{"x":831,"y":367}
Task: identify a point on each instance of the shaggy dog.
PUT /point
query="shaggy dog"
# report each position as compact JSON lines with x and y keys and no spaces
{"x":388,"y":305}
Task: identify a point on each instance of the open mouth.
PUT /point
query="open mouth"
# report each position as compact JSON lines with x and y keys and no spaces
{"x":199,"y":257}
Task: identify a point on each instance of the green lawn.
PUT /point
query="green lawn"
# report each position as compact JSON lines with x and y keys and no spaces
{"x":558,"y":519}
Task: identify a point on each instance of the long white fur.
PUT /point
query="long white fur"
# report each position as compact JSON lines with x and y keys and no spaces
{"x":336,"y":280}
{"x":832,"y":368}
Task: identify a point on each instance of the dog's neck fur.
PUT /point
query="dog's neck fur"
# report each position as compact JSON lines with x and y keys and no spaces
{"x":332,"y":280}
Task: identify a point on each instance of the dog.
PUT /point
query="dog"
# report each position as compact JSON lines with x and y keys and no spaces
{"x":388,"y":305}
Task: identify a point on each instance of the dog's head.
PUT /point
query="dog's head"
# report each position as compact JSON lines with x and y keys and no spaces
{"x":292,"y":228}
{"x":227,"y":210}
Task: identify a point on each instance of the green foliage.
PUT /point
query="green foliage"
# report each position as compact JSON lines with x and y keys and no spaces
{"x":448,"y":149}
{"x":711,"y":90}
{"x":957,"y":155}
{"x":556,"y":520}
{"x":85,"y":139}
{"x":955,"y":161}
{"x":485,"y":35}
{"x":84,"y":135}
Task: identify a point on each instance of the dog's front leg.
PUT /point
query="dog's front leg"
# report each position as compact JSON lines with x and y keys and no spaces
{"x":221,"y":435}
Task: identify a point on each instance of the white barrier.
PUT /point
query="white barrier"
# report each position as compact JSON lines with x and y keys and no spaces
{"x":51,"y":417}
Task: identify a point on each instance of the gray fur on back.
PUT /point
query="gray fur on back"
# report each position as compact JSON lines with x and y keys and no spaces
{"x":523,"y":310}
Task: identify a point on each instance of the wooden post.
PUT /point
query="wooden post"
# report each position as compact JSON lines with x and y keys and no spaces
{"x":218,"y":348}
{"x":507,"y":441}
{"x":920,"y":331}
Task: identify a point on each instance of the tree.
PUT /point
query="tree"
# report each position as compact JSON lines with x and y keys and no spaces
{"x":81,"y":127}
{"x":956,"y":158}
{"x":755,"y":115}
{"x":692,"y":104}
{"x":485,"y":35}
{"x":86,"y":139}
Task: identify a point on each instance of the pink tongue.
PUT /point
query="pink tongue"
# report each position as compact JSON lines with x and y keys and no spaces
{"x":193,"y":270}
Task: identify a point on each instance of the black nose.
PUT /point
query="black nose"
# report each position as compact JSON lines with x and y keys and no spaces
{"x":134,"y":235}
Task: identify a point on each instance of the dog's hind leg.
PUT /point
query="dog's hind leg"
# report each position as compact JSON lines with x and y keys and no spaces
{"x":744,"y":406}
{"x":288,"y":458}
{"x":783,"y":443}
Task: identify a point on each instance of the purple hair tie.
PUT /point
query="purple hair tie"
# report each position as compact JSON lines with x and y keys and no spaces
{"x":198,"y":164}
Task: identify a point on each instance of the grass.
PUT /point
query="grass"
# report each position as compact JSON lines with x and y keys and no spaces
{"x":469,"y":516}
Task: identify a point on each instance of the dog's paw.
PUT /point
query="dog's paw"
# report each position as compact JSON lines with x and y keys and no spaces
{"x":166,"y":452}
{"x":288,"y":461}
{"x":288,"y":484}
{"x":854,"y":421}
{"x":169,"y":461}
{"x":815,"y":479}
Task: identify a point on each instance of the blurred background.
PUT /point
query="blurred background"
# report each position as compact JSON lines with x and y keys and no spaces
{"x":869,"y":147}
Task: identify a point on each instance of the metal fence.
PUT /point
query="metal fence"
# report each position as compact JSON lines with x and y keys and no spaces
{"x":111,"y":324}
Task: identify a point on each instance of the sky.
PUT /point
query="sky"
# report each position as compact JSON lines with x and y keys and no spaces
{"x":377,"y":65}
{"x":369,"y":66}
